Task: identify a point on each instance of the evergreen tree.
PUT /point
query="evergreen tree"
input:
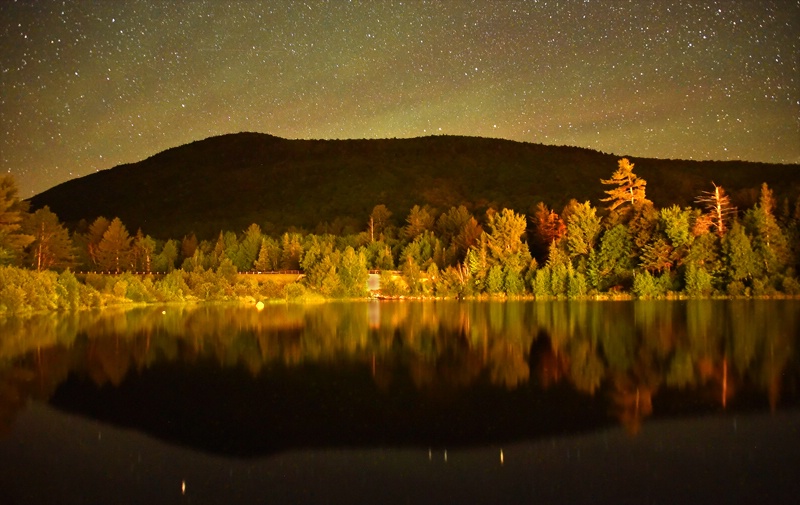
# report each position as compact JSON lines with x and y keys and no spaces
{"x":353,"y":273}
{"x":93,"y":238}
{"x":504,"y":239}
{"x":113,"y":251}
{"x":740,"y":260}
{"x":676,"y":223}
{"x":494,"y":280}
{"x":378,"y":221}
{"x":611,"y":265}
{"x":188,"y":245}
{"x":459,"y":231}
{"x":583,"y":228}
{"x":143,"y":250}
{"x":699,"y":282}
{"x":52,"y":246}
{"x":12,"y":211}
{"x":419,"y":220}
{"x":769,"y":241}
{"x":291,"y":251}
{"x":269,"y":255}
{"x":422,"y":250}
{"x":657,"y":256}
{"x":629,"y":188}
{"x":164,"y":261}
{"x":247,"y":252}
{"x":559,"y":266}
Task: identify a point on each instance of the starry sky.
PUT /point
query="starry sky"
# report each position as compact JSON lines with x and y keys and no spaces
{"x":88,"y":85}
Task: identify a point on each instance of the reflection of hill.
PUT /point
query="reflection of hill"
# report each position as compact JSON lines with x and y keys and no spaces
{"x":226,"y":411}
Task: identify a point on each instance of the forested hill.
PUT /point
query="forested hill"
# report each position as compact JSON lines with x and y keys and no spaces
{"x":231,"y":181}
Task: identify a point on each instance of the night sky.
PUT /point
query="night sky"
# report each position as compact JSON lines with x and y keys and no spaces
{"x":88,"y":85}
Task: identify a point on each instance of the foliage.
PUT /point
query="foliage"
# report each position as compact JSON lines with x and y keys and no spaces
{"x":51,"y":246}
{"x":583,"y":228}
{"x":114,"y":249}
{"x":652,"y":252}
{"x":12,"y":210}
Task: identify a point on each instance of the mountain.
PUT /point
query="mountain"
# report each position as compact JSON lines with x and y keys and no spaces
{"x":230,"y":181}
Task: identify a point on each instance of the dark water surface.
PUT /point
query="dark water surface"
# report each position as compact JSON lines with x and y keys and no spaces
{"x":404,"y":402}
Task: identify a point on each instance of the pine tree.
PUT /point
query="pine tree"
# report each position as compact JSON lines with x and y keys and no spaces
{"x":114,"y":249}
{"x":12,"y":210}
{"x":51,"y":246}
{"x":629,"y":188}
{"x":583,"y":227}
{"x":92,"y":240}
{"x":143,"y":250}
{"x":419,"y":220}
{"x":769,"y":240}
{"x":378,"y":221}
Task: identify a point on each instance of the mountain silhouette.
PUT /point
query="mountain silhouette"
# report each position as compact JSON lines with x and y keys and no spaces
{"x":230,"y":181}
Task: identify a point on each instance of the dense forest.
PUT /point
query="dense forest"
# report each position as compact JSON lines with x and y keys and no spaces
{"x":626,"y":247}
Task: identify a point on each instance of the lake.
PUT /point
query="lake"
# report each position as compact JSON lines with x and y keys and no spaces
{"x":404,"y":402}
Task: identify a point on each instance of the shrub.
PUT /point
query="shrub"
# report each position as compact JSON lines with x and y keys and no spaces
{"x":790,"y":286}
{"x":68,"y":290}
{"x":494,"y":280}
{"x":294,"y":291}
{"x":737,"y":288}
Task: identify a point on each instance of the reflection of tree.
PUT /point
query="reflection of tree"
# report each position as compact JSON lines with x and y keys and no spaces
{"x":36,"y":376}
{"x":632,"y":394}
{"x":507,"y":365}
{"x":109,"y":360}
{"x":586,"y":369}
{"x":630,"y":348}
{"x":550,"y":365}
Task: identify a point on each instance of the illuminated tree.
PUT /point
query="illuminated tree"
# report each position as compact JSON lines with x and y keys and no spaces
{"x":249,"y":246}
{"x":269,"y":255}
{"x":113,"y":251}
{"x":459,"y":230}
{"x":612,"y":263}
{"x":769,"y":240}
{"x":353,"y":273}
{"x":629,"y":188}
{"x":547,"y":228}
{"x":165,"y":260}
{"x":12,"y":211}
{"x":142,"y":252}
{"x":719,"y":207}
{"x":378,"y":221}
{"x":419,"y":220}
{"x":51,"y":246}
{"x":583,"y":227}
{"x":291,"y":251}
{"x":657,"y":256}
{"x":740,"y":260}
{"x":93,"y":238}
{"x":506,"y":230}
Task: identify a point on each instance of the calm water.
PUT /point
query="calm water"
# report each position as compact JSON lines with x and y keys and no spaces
{"x":404,"y":402}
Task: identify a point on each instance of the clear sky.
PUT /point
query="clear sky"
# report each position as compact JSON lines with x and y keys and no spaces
{"x":87,"y":85}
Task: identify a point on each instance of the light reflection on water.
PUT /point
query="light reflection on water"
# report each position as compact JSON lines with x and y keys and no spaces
{"x":358,"y":402}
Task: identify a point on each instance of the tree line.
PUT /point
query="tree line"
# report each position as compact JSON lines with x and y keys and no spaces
{"x":626,"y":246}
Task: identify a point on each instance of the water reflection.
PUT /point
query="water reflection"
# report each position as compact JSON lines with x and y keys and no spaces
{"x":630,"y":359}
